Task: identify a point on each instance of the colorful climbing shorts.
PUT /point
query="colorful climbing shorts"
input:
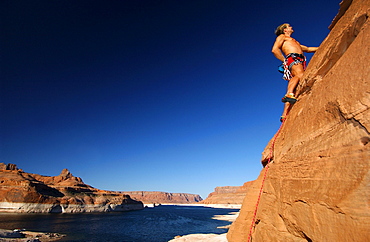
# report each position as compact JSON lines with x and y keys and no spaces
{"x":290,"y":60}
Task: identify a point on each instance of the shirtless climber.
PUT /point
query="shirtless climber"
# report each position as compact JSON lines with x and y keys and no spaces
{"x":294,"y":62}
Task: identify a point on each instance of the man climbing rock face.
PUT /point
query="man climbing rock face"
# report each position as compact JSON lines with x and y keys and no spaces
{"x":294,"y":62}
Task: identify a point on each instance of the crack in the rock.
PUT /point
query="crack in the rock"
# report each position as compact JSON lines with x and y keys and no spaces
{"x":301,"y":201}
{"x":356,"y":123}
{"x":306,"y":237}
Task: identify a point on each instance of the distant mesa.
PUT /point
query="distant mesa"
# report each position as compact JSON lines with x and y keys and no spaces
{"x":23,"y":192}
{"x":228,"y":195}
{"x":164,"y":197}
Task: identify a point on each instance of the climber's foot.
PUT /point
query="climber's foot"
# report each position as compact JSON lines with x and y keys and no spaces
{"x":289,"y":98}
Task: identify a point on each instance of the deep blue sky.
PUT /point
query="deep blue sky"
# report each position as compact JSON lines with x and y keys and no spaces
{"x":171,"y":95}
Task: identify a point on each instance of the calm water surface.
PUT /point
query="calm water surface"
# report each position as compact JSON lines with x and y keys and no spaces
{"x":158,"y":224}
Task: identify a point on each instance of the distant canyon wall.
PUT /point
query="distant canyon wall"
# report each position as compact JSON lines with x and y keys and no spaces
{"x":228,"y":194}
{"x":318,"y":186}
{"x":23,"y":192}
{"x":164,"y":197}
{"x":32,"y":193}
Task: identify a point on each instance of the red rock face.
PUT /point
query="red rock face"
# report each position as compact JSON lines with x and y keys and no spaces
{"x":317,"y":188}
{"x":24,"y":192}
{"x":164,"y":197}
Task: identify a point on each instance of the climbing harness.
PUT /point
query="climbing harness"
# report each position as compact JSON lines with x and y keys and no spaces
{"x":290,"y":60}
{"x":263,"y":180}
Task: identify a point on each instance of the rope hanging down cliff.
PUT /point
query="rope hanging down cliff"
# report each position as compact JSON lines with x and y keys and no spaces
{"x":263,"y":180}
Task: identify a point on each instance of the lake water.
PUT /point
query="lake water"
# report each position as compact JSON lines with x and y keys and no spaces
{"x":159,"y":224}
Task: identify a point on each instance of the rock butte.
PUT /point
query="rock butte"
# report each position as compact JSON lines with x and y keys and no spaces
{"x":318,"y":186}
{"x":32,"y":193}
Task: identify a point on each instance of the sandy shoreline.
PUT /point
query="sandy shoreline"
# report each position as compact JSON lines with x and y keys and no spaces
{"x":231,"y":206}
{"x":209,"y":237}
{"x":201,"y":237}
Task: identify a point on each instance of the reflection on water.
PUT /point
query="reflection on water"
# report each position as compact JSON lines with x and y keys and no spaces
{"x":149,"y":225}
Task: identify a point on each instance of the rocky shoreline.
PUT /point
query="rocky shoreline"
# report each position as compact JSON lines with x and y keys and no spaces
{"x":29,"y":236}
{"x":6,"y":207}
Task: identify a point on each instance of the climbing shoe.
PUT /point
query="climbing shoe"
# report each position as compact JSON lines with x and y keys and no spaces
{"x":289,"y":98}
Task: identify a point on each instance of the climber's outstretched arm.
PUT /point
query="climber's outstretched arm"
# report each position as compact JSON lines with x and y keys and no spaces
{"x":308,"y":49}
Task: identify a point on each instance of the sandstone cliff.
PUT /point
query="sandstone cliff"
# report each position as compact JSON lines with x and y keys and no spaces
{"x":164,"y":197}
{"x":228,"y":194}
{"x":318,"y":186}
{"x":31,"y":193}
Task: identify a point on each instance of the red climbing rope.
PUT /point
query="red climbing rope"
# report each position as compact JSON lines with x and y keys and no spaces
{"x":263,"y":180}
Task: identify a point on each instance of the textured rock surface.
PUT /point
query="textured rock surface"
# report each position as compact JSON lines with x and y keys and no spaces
{"x":164,"y":197}
{"x":28,"y":236}
{"x":228,"y":194}
{"x":318,"y":187}
{"x":32,"y":193}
